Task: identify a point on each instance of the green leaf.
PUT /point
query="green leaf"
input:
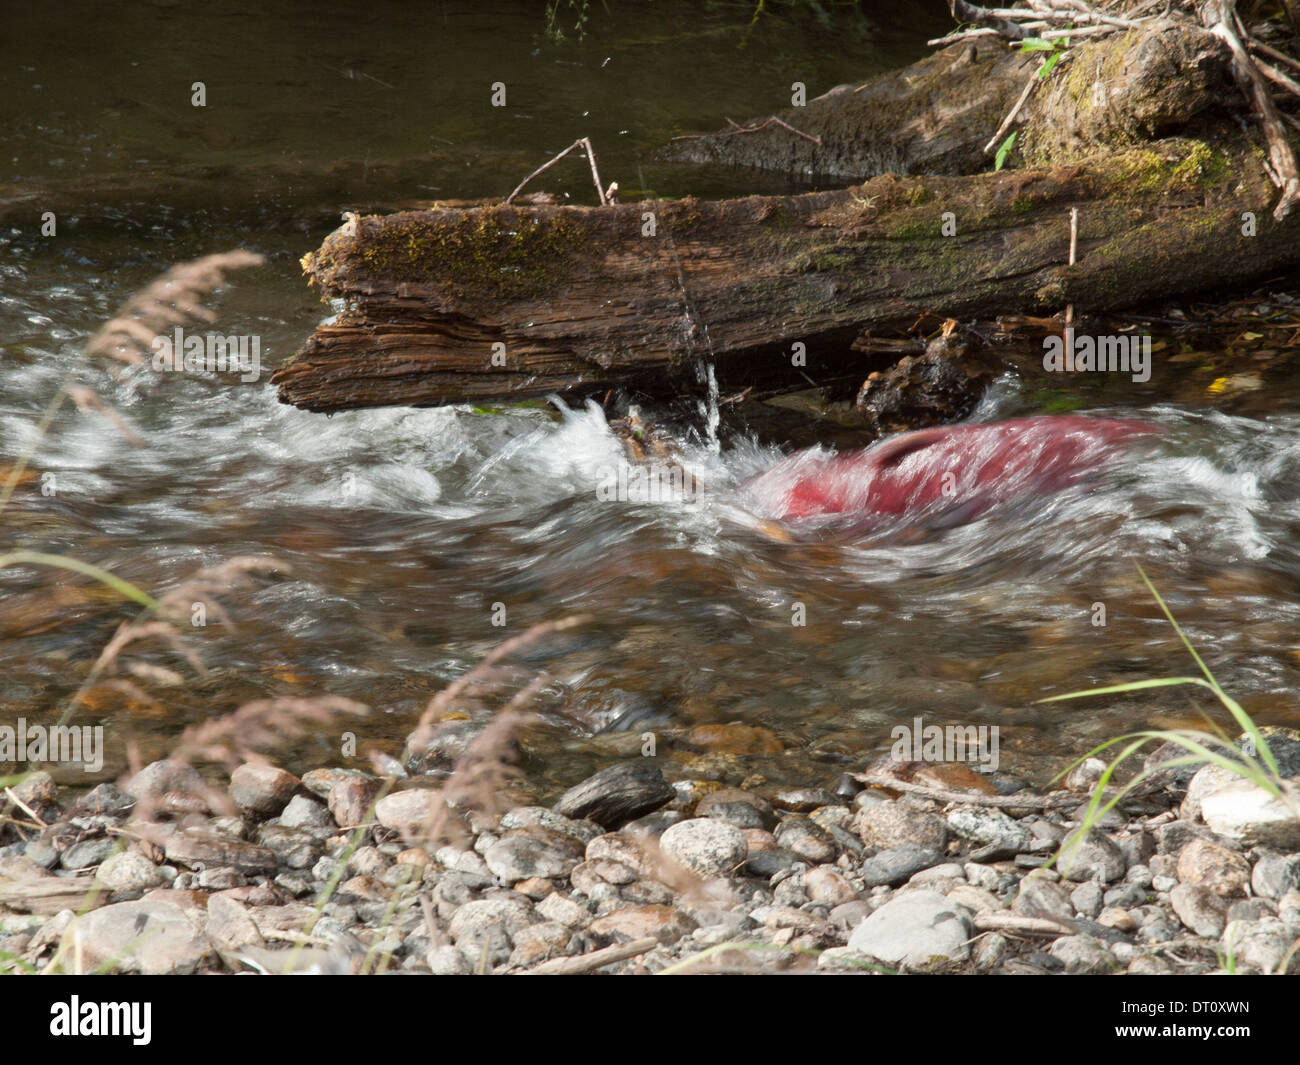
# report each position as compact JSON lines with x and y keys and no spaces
{"x":1003,"y":152}
{"x":1048,"y":63}
{"x":1036,"y":44}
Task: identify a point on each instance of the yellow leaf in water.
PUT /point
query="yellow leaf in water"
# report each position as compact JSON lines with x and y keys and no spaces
{"x":1250,"y":336}
{"x":1239,"y":382}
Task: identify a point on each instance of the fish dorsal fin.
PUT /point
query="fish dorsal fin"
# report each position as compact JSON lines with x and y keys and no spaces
{"x":891,"y":451}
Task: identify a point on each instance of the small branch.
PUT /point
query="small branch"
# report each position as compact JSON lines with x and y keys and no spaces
{"x":1272,"y":53}
{"x":1218,"y":16}
{"x":1034,"y":79}
{"x":1006,"y":802}
{"x":1278,"y":78}
{"x":737,"y":128}
{"x":581,"y":142}
{"x":585,"y":963}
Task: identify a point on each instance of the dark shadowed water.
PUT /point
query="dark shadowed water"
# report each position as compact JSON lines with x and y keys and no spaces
{"x":406,"y":533}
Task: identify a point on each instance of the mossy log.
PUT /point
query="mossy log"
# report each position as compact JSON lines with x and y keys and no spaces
{"x":509,"y":302}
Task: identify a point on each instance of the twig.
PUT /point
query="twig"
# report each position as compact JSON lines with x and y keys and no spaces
{"x":738,"y":128}
{"x":585,"y":963}
{"x":581,"y":142}
{"x":1217,"y":15}
{"x":25,"y":808}
{"x":1034,"y":79}
{"x":1013,"y":922}
{"x":1006,"y":802}
{"x":1272,"y":53}
{"x":1276,"y":76}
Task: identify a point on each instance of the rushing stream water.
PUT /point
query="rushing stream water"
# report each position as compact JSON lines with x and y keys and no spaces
{"x":401,"y":529}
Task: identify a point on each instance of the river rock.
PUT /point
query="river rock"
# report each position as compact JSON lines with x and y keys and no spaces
{"x":539,"y":816}
{"x":890,"y":824}
{"x":87,"y":853}
{"x":532,"y":852}
{"x":637,"y":922}
{"x":129,"y":870}
{"x":491,"y":922}
{"x":807,"y":839}
{"x":1040,"y":897}
{"x":307,"y":813}
{"x":918,"y":929}
{"x":1083,"y":954}
{"x":230,"y":926}
{"x":1261,"y":945}
{"x":409,"y":812}
{"x":988,"y":827}
{"x":1090,"y":857}
{"x":1200,"y":909}
{"x":164,"y":777}
{"x":1275,"y":874}
{"x":617,"y":795}
{"x":262,"y":789}
{"x":1245,"y":812}
{"x":726,"y":797}
{"x":1087,"y":898}
{"x":1214,"y":866}
{"x":829,"y":886}
{"x":706,"y":847}
{"x":537,"y":942}
{"x":351,"y":797}
{"x":146,"y":936}
{"x":897,"y":864}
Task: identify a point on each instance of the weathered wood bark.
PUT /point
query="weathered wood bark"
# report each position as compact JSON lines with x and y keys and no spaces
{"x":449,"y":306}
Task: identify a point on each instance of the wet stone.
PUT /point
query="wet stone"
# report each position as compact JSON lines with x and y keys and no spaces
{"x":807,"y":839}
{"x":897,"y":864}
{"x":617,"y":795}
{"x":739,"y":814}
{"x":804,"y":800}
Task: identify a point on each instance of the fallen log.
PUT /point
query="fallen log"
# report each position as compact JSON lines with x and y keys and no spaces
{"x":502,"y":302}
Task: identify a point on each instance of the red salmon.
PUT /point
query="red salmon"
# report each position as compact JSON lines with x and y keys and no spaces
{"x":947,"y":475}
